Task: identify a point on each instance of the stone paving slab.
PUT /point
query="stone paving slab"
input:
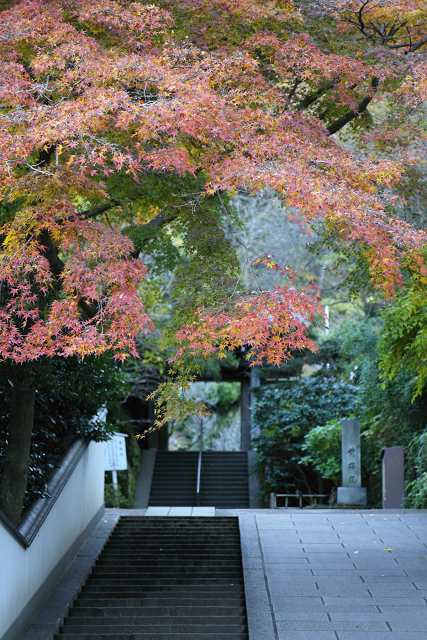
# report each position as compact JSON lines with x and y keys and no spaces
{"x":378,"y":602}
{"x":290,"y":634}
{"x":313,"y":590}
{"x":336,"y":575}
{"x":398,"y":593}
{"x":181,"y":511}
{"x":348,"y":635}
{"x":409,"y":624}
{"x":332,"y":625}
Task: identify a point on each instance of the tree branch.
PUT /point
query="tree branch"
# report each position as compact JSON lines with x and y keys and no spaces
{"x":418,"y":44}
{"x":49,"y":252}
{"x":376,"y":31}
{"x":91,"y":213}
{"x":350,"y":115}
{"x":57,"y":267}
{"x":158,"y":221}
{"x":161,"y":218}
{"x":308,"y":100}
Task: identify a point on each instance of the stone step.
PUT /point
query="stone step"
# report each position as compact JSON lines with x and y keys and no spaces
{"x":188,"y":562}
{"x":176,"y":539}
{"x":164,"y":609}
{"x":135,"y":543}
{"x":120,"y":580}
{"x":174,"y":570}
{"x":140,"y":595}
{"x":174,"y":526}
{"x":166,"y":548}
{"x":160,"y":626}
{"x":102,"y":589}
{"x":158,"y":591}
{"x":161,"y":617}
{"x":222,"y":474}
{"x":239,"y":635}
{"x":225,"y":521}
{"x":166,"y":600}
{"x":179,"y":534}
{"x":164,"y":552}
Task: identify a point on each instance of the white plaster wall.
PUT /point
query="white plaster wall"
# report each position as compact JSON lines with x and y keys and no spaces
{"x":23,"y":571}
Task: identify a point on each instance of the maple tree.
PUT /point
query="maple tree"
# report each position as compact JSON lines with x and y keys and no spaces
{"x":120,"y":119}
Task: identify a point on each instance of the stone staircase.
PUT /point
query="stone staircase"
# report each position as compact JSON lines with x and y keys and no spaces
{"x":164,"y":579}
{"x":174,"y":479}
{"x":224,"y":479}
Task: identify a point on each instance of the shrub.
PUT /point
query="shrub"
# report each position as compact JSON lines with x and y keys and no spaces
{"x":284,"y":414}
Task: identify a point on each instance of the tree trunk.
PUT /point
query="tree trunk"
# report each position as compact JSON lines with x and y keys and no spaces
{"x":14,"y":476}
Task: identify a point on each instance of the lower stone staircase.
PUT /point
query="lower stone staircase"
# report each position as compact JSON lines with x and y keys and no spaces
{"x":224,"y":479}
{"x":164,"y":579}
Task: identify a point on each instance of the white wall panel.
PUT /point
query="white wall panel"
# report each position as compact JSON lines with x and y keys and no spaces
{"x":24,"y":570}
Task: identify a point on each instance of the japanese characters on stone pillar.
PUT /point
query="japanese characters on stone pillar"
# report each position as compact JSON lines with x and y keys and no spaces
{"x":351,"y":491}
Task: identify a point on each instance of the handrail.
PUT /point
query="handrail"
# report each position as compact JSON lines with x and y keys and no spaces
{"x":199,"y":464}
{"x":38,"y":512}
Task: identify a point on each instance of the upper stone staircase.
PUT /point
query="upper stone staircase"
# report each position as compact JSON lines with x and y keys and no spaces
{"x":224,"y":479}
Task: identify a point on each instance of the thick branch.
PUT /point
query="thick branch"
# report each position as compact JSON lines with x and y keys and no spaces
{"x":350,"y":115}
{"x":90,"y":310}
{"x":158,"y":221}
{"x":91,"y":213}
{"x":49,"y":252}
{"x":308,"y":100}
{"x":292,"y":92}
{"x":418,"y":44}
{"x":56,"y":264}
{"x":161,"y":218}
{"x":57,"y":267}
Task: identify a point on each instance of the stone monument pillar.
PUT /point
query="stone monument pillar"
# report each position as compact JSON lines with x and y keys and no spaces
{"x":393,"y":478}
{"x":351,"y":491}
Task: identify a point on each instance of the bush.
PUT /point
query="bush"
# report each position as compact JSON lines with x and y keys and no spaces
{"x":323,"y":445}
{"x":284,"y":414}
{"x":416,"y":473}
{"x":70,"y":393}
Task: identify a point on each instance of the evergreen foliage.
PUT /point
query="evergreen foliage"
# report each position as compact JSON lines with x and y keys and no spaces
{"x":284,"y":415}
{"x":300,"y":434}
{"x":70,"y":393}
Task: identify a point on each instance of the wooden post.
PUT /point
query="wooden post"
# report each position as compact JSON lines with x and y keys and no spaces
{"x":115,"y":487}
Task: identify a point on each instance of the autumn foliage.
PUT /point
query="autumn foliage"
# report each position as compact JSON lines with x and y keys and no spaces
{"x":236,"y":91}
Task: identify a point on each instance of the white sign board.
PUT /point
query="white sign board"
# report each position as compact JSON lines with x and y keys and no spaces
{"x":115,"y":453}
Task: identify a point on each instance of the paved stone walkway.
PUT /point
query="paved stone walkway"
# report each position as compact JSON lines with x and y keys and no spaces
{"x":335,"y":575}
